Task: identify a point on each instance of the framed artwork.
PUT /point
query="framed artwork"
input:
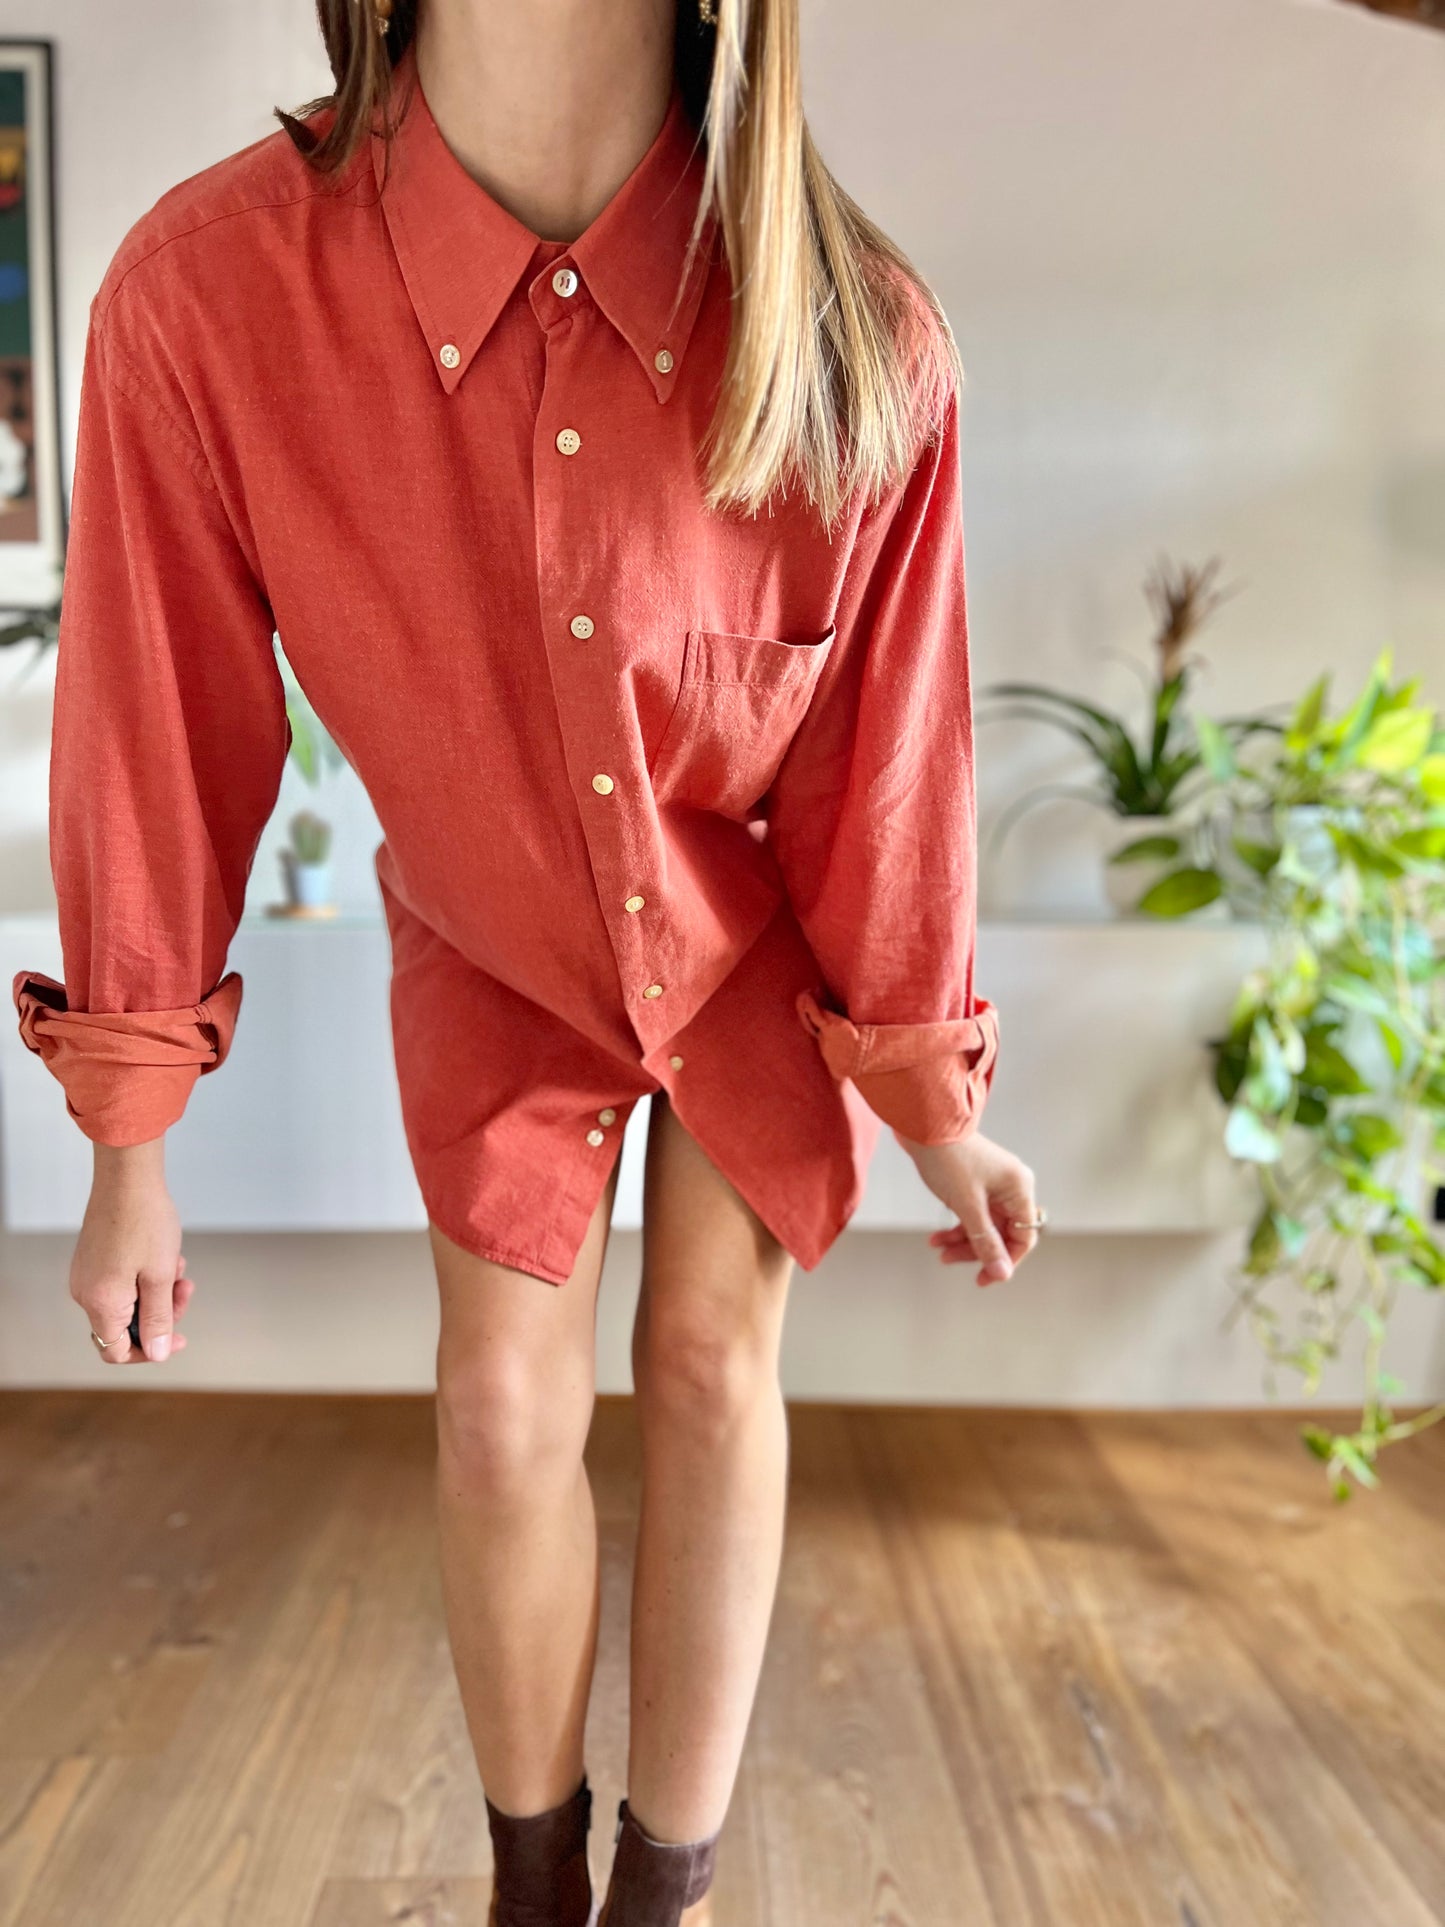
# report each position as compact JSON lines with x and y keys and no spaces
{"x":32,"y":500}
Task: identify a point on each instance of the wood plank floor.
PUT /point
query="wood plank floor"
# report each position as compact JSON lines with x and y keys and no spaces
{"x":1026,"y":1670}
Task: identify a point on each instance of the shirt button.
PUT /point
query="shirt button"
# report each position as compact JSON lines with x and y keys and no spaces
{"x":602,"y":785}
{"x":450,"y":354}
{"x":582,"y":627}
{"x":609,"y":1116}
{"x":594,"y":1136}
{"x":568,"y":440}
{"x":676,"y":1063}
{"x":662,"y":361}
{"x":634,"y":904}
{"x":565,"y":282}
{"x":653,"y":990}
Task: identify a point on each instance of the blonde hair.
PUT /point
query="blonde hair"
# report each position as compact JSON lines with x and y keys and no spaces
{"x":839,"y":354}
{"x":840,"y":359}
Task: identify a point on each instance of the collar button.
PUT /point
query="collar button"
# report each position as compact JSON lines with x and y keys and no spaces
{"x":662,"y":361}
{"x":565,"y":282}
{"x":450,"y":355}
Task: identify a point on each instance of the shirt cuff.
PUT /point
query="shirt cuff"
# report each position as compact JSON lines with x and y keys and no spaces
{"x":127,"y":1075}
{"x":929,"y":1081}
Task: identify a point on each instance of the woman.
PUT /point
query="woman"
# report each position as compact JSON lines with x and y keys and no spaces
{"x":596,"y":461}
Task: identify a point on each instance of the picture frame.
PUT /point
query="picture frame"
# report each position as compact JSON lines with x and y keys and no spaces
{"x":33,"y":514}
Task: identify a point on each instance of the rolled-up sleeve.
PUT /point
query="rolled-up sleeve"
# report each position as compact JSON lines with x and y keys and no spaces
{"x":169,"y":739}
{"x":872,"y":817}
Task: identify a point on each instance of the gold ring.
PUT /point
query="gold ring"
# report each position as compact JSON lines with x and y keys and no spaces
{"x":104,"y":1343}
{"x":1031,"y":1224}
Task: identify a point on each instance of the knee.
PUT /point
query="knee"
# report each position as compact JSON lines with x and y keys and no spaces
{"x":701,"y":1370}
{"x":506,"y":1429}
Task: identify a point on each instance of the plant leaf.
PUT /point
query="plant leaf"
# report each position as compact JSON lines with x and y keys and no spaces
{"x":1147,"y":848}
{"x":1396,"y":740}
{"x":1248,"y":1138}
{"x":1216,"y":750}
{"x":1180,"y":892}
{"x":1306,"y":719}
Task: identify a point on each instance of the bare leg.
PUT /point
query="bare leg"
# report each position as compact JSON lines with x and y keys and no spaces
{"x":715,"y":1445}
{"x":515,"y":1391}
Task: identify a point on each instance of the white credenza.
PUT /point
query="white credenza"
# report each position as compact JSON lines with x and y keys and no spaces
{"x":1102,"y":1085}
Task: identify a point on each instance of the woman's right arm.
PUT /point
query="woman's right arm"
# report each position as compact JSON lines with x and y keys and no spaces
{"x":169,"y":740}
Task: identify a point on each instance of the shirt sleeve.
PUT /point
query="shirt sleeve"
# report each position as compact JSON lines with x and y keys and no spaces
{"x":872,"y":817}
{"x":168,"y":744}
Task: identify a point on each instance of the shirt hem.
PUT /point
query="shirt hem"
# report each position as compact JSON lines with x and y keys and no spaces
{"x":499,"y":1254}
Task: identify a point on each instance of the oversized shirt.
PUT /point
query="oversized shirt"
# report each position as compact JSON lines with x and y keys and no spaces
{"x":671,"y":799}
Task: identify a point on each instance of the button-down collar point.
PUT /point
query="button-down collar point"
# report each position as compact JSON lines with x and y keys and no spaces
{"x":676,"y":1063}
{"x":450,"y":355}
{"x":662,"y":361}
{"x":594,"y":1136}
{"x":461,"y":253}
{"x":602,"y":784}
{"x":653,"y":990}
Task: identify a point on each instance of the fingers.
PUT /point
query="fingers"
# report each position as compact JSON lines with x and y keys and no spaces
{"x":989,"y":1249}
{"x":110,"y":1320}
{"x":157,"y":1315}
{"x":994,"y":1229}
{"x":111,"y":1306}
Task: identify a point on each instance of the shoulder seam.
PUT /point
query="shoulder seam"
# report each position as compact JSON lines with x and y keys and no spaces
{"x":230,"y":214}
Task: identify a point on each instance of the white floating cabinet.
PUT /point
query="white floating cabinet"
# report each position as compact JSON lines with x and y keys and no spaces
{"x":1103,"y":1086}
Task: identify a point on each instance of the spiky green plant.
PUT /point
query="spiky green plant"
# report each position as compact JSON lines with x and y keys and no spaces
{"x":1148,"y":774}
{"x":310,"y":837}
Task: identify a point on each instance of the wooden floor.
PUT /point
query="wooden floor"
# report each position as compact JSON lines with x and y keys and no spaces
{"x":1026,"y":1671}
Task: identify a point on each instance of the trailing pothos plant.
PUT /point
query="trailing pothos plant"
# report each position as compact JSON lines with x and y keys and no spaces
{"x":1333,"y":1065}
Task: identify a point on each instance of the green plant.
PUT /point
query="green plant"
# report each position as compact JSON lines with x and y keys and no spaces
{"x":310,"y":837}
{"x":1333,"y":1066}
{"x":1148,"y":776}
{"x":313,"y":750}
{"x":40,"y":626}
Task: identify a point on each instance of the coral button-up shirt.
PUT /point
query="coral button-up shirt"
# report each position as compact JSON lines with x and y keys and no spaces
{"x":671,"y":800}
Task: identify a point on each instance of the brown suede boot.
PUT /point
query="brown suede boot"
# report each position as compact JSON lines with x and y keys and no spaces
{"x":654,"y":1881}
{"x":541,"y":1877}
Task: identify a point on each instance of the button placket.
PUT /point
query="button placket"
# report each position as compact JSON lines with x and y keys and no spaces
{"x":611,"y":788}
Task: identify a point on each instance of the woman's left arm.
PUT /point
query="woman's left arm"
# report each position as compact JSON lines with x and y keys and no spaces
{"x":872,"y":817}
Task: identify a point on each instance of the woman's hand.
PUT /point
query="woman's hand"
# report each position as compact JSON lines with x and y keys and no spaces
{"x":990,"y":1191}
{"x":129,"y":1247}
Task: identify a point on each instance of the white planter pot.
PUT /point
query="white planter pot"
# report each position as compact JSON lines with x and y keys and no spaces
{"x":308,"y":885}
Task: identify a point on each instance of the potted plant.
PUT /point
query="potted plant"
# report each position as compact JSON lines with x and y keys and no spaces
{"x":305,"y":862}
{"x":1142,"y":780}
{"x":306,"y":865}
{"x":1333,"y":1065}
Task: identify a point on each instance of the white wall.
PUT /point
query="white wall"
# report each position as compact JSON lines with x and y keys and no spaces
{"x":1194,"y":252}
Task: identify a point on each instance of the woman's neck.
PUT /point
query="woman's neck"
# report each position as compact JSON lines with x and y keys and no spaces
{"x":549,"y":104}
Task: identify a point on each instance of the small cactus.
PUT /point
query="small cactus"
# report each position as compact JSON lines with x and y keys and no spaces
{"x":310,"y":837}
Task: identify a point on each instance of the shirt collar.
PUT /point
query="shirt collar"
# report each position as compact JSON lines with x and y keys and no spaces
{"x":461,"y":253}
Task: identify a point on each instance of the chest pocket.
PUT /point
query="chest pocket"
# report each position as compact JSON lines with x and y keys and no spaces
{"x":740,"y":701}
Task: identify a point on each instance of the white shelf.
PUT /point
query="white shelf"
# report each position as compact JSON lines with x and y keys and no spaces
{"x":1102,"y":1086}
